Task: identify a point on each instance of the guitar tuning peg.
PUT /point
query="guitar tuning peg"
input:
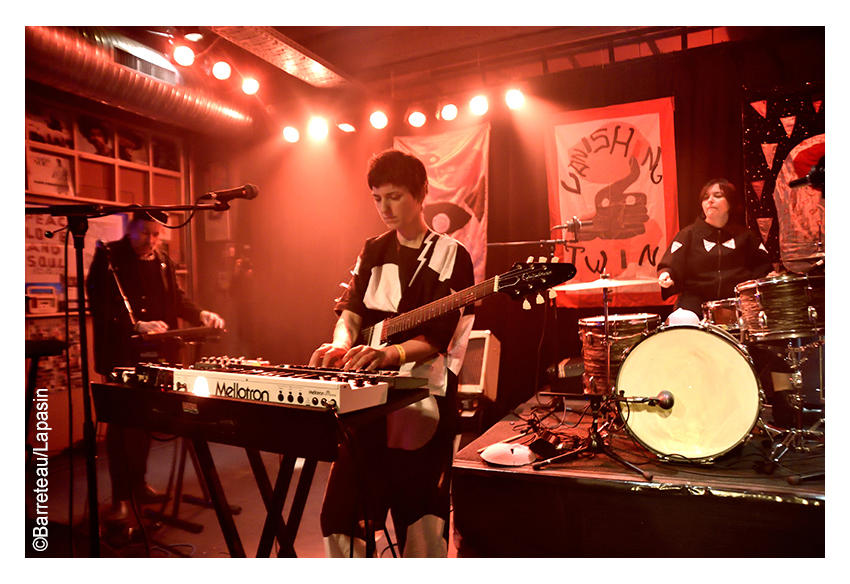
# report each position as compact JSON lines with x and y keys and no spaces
{"x":530,"y":260}
{"x":552,"y":294}
{"x":542,"y":259}
{"x":539,"y":299}
{"x":555,"y":259}
{"x":526,"y":305}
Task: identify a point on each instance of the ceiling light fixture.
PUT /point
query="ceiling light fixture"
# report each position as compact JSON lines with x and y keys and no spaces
{"x":448,"y":112}
{"x":479,"y":105}
{"x":514,"y":98}
{"x":184,"y":55}
{"x":416,"y":118}
{"x":221,"y":70}
{"x":379,"y":120}
{"x":318,"y":129}
{"x":250,"y":86}
{"x":290,"y":134}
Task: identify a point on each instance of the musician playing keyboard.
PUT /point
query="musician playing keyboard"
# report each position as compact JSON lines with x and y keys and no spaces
{"x":405,"y":459}
{"x":132,"y":289}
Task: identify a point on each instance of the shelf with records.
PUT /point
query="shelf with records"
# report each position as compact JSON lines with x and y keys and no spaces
{"x":72,"y":154}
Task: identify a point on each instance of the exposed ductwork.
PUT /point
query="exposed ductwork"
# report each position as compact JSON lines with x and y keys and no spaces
{"x":123,"y":73}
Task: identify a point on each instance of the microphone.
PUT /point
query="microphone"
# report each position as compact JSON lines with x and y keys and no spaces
{"x":574,"y":224}
{"x":248,"y":191}
{"x":816,"y":177}
{"x":664,"y":400}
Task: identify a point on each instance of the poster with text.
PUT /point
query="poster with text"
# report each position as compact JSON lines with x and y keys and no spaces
{"x":613,"y":169}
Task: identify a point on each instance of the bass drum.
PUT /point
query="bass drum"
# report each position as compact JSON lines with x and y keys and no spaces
{"x":716,"y":393}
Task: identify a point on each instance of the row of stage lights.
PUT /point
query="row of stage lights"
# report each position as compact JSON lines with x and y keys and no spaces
{"x":318,"y":128}
{"x":184,"y":55}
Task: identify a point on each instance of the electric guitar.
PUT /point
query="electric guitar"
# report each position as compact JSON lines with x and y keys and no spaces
{"x":519,"y":281}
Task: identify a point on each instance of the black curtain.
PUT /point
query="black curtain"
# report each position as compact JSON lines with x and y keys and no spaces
{"x":708,"y":86}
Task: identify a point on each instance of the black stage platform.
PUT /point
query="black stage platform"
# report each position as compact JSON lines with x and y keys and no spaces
{"x":744,"y":504}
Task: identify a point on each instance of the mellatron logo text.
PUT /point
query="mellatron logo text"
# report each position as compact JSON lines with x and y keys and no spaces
{"x":241,"y":392}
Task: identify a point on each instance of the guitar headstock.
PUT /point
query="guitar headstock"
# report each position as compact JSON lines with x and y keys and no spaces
{"x":524,"y":279}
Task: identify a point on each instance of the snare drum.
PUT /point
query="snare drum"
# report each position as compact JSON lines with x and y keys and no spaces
{"x":783,"y":307}
{"x":722,"y":313}
{"x":717,"y":396}
{"x":624,"y":331}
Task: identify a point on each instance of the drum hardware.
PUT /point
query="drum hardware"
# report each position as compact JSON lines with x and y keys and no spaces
{"x":600,"y":402}
{"x":606,"y":284}
{"x":782,"y":307}
{"x":797,"y":439}
{"x":603,"y":354}
{"x":595,"y":441}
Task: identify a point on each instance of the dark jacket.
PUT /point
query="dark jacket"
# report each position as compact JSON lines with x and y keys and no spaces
{"x":706,"y":263}
{"x":162,"y":299}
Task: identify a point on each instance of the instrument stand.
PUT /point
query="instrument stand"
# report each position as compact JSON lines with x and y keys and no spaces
{"x":797,"y":438}
{"x":189,"y":354}
{"x":595,"y":442}
{"x":78,"y":216}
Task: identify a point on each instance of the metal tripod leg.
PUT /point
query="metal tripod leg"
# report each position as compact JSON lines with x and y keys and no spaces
{"x":594,"y":443}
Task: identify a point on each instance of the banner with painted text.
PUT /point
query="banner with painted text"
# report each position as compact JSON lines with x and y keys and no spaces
{"x":456,"y":203}
{"x":613,"y":169}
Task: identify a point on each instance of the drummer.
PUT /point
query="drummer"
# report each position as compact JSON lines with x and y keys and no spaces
{"x":708,"y":258}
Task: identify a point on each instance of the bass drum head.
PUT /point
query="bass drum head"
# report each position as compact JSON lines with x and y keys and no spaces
{"x":716,"y":392}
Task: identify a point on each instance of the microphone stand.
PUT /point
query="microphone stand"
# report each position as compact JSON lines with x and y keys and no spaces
{"x":595,"y":442}
{"x":78,"y":216}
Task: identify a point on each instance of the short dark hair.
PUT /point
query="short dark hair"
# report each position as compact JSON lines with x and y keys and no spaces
{"x":394,"y":167}
{"x":730,"y":193}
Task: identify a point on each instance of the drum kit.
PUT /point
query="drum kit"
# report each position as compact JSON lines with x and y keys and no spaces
{"x":690,"y":392}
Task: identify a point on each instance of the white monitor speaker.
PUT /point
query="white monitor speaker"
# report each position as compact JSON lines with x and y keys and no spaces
{"x":479,"y":374}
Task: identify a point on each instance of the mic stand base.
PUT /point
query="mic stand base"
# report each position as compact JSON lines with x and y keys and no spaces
{"x":594,"y":443}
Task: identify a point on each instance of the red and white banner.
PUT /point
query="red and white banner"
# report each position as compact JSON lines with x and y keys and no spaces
{"x":615,"y":167}
{"x":457,"y":186}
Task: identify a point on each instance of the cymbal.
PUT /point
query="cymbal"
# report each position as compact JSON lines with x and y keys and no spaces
{"x":601,"y":284}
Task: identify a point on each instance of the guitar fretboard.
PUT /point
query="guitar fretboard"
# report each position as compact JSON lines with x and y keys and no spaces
{"x":438,"y":308}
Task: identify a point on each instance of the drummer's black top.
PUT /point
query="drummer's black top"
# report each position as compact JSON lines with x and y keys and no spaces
{"x":706,"y":263}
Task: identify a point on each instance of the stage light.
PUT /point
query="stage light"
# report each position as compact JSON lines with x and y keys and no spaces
{"x":479,"y":105}
{"x":184,"y":55}
{"x":221,"y":70}
{"x":448,"y":112}
{"x":318,"y":129}
{"x":514,"y":99}
{"x":193,"y":36}
{"x":378,"y":120}
{"x":250,"y":86}
{"x":416,"y":119}
{"x":345,"y":127}
{"x":291,"y":135}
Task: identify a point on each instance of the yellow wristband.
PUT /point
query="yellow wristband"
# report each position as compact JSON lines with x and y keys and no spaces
{"x":402,"y":356}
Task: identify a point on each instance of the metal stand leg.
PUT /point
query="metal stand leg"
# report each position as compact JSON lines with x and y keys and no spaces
{"x":796,"y":439}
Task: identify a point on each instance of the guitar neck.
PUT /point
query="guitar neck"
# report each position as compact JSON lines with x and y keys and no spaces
{"x":436,"y":309}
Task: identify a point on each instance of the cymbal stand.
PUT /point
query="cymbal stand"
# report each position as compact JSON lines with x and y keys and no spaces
{"x":797,"y":438}
{"x":595,"y":441}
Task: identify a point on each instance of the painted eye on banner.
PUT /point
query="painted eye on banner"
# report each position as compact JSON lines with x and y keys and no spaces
{"x":446,"y":217}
